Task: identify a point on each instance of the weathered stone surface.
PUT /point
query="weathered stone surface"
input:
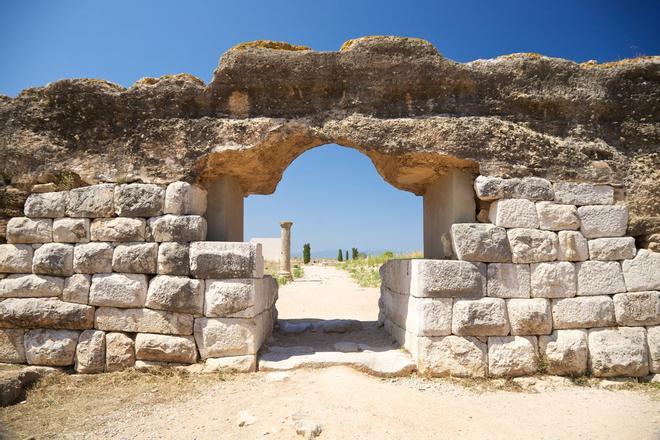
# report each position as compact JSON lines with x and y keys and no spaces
{"x":173,"y":259}
{"x":139,"y":200}
{"x":459,"y":356}
{"x":493,"y":188}
{"x":512,"y":356}
{"x":583,"y":194}
{"x":513,"y":213}
{"x":119,"y":352}
{"x":583,"y":312}
{"x":218,"y":337}
{"x":555,"y":217}
{"x":232,"y":364}
{"x":71,"y":230}
{"x":44,"y":312}
{"x":51,"y":347}
{"x":118,"y":229}
{"x":447,"y":279}
{"x":165,"y":348}
{"x":178,"y":228}
{"x":482,"y":317}
{"x":637,"y":308}
{"x":618,"y":351}
{"x":532,"y":245}
{"x":118,"y":290}
{"x":603,"y":221}
{"x":30,"y":286}
{"x":25,"y":230}
{"x":554,"y":279}
{"x":92,"y":258}
{"x":480,"y":242}
{"x":135,"y":258}
{"x":225,"y":260}
{"x":12,"y":350}
{"x":529,"y":316}
{"x":16,"y":258}
{"x":506,"y":280}
{"x":53,"y":259}
{"x":599,"y":278}
{"x":143,"y":321}
{"x":419,"y":316}
{"x":182,"y":198}
{"x":642,"y":272}
{"x":533,"y":188}
{"x":530,"y":188}
{"x":565,"y":352}
{"x":76,"y":288}
{"x":176,"y":294}
{"x":572,"y":246}
{"x":47,"y":205}
{"x":91,"y":201}
{"x":653,"y":341}
{"x":90,"y":352}
{"x":226,"y":297}
{"x":608,"y":249}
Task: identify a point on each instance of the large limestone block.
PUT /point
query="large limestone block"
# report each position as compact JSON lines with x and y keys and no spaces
{"x":530,"y":188}
{"x":583,"y":312}
{"x":513,"y":213}
{"x":480,"y":242}
{"x":143,"y":321}
{"x":176,"y":294}
{"x":482,"y":317}
{"x":555,"y":217}
{"x":395,"y":274}
{"x":599,"y":278}
{"x":618,"y":351}
{"x":609,"y":249}
{"x":46,"y":205}
{"x":447,"y":279}
{"x":76,"y":289}
{"x":173,"y":259}
{"x":642,"y":272}
{"x":31,"y":286}
{"x":419,"y":316}
{"x":121,"y":229}
{"x":164,"y":348}
{"x":12,"y":349}
{"x":217,"y":337}
{"x":71,"y":230}
{"x":91,"y":201}
{"x":16,"y":258}
{"x":512,"y":356}
{"x":46,"y":313}
{"x":232,"y":364}
{"x":529,"y":316}
{"x":224,"y":298}
{"x":118,"y":290}
{"x":603,"y":221}
{"x":506,"y":280}
{"x":92,"y":258}
{"x":135,"y":258}
{"x":565,"y":352}
{"x":182,"y":198}
{"x":215,"y":259}
{"x":90,"y":352}
{"x":583,"y":194}
{"x":119,"y":352}
{"x":55,"y":348}
{"x":459,"y":356}
{"x":178,"y":228}
{"x":637,"y":308}
{"x":139,"y":200}
{"x":533,"y":188}
{"x":653,"y":341}
{"x":572,"y":246}
{"x":26,"y":230}
{"x":554,"y":279}
{"x":492,"y":188}
{"x":532,"y":245}
{"x":53,"y":259}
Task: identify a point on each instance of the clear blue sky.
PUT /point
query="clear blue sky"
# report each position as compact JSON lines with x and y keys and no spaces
{"x":333,"y":194}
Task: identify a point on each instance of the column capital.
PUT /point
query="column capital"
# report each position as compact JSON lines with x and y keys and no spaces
{"x":286,"y":224}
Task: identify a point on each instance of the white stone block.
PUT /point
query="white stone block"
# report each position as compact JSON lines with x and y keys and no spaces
{"x":182,"y":198}
{"x":12,"y":348}
{"x":583,"y":312}
{"x":143,"y":321}
{"x":119,"y":352}
{"x":71,"y":230}
{"x":173,"y":259}
{"x":92,"y":258}
{"x":480,"y":242}
{"x":599,"y":278}
{"x":90,"y":352}
{"x":176,"y":294}
{"x":46,"y":205}
{"x":218,"y":337}
{"x":555,"y":217}
{"x":457,"y":356}
{"x":30,"y":286}
{"x":139,"y":200}
{"x":44,"y":313}
{"x":513,"y":213}
{"x":555,"y":279}
{"x":178,"y":228}
{"x":165,"y":348}
{"x":91,"y":201}
{"x":637,"y":308}
{"x":218,"y":260}
{"x":55,"y":348}
{"x":482,"y":317}
{"x":26,"y":230}
{"x":53,"y":259}
{"x":529,"y":316}
{"x":572,"y":246}
{"x":532,"y":245}
{"x":618,"y":351}
{"x":565,"y":352}
{"x":609,"y":249}
{"x":16,"y":258}
{"x":418,"y":316}
{"x":642,"y":272}
{"x":135,"y":258}
{"x":447,"y":279}
{"x":76,"y":288}
{"x":120,"y":229}
{"x":512,"y":356}
{"x":506,"y":280}
{"x":583,"y":194}
{"x":118,"y":290}
{"x":232,"y":364}
{"x":653,"y":341}
{"x":603,"y":221}
{"x":224,"y":298}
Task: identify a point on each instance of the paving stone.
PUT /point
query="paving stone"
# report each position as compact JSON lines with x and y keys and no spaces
{"x":565,"y":352}
{"x":176,"y":294}
{"x":91,"y":201}
{"x":118,"y":290}
{"x":120,"y":229}
{"x":12,"y":349}
{"x":513,"y":213}
{"x":217,"y":337}
{"x":583,"y":312}
{"x":618,"y":351}
{"x":232,"y":364}
{"x":51,"y":347}
{"x":90,"y":352}
{"x":642,"y":272}
{"x":119,"y":352}
{"x":457,"y":356}
{"x":165,"y":348}
{"x":218,"y":260}
{"x":599,"y":278}
{"x":16,"y":258}
{"x":92,"y":258}
{"x":71,"y":230}
{"x":447,"y":279}
{"x":30,"y":286}
{"x":637,"y":308}
{"x":46,"y":205}
{"x":139,"y":200}
{"x":555,"y":217}
{"x":529,"y":316}
{"x":480,"y":242}
{"x":506,"y":280}
{"x":653,"y":341}
{"x":532,"y":245}
{"x":555,"y":279}
{"x":76,"y":288}
{"x":583,"y":194}
{"x":178,"y":228}
{"x":173,"y":259}
{"x":608,"y":249}
{"x":572,"y":246}
{"x":512,"y":356}
{"x":135,"y":258}
{"x":182,"y":198}
{"x":482,"y":317}
{"x":53,"y":259}
{"x":143,"y":321}
{"x":603,"y":221}
{"x":26,"y":230}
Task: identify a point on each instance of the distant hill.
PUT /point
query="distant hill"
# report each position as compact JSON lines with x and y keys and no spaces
{"x":332,"y":253}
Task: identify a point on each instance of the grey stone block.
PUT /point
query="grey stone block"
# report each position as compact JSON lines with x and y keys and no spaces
{"x":457,"y":356}
{"x":91,"y":258}
{"x":53,"y":259}
{"x":513,"y":213}
{"x":480,"y":242}
{"x":135,"y":258}
{"x":555,"y":217}
{"x":45,"y":313}
{"x":565,"y":352}
{"x":76,"y":289}
{"x":183,"y":198}
{"x":447,"y":279}
{"x":583,"y":312}
{"x":71,"y":230}
{"x":609,"y":249}
{"x":176,"y":294}
{"x":583,"y":194}
{"x":55,"y":348}
{"x":91,"y":201}
{"x":30,"y":286}
{"x":118,"y":290}
{"x":219,"y":337}
{"x":225,"y":260}
{"x":512,"y":356}
{"x":46,"y":205}
{"x":120,"y":229}
{"x":482,"y":317}
{"x":139,"y":200}
{"x":25,"y":230}
{"x":529,"y":316}
{"x":90,"y":352}
{"x":165,"y":348}
{"x":603,"y":221}
{"x":637,"y":308}
{"x":618,"y":351}
{"x":506,"y":280}
{"x":555,"y":279}
{"x":173,"y":259}
{"x":143,"y":321}
{"x":599,"y":278}
{"x":178,"y":228}
{"x":119,"y":352}
{"x":642,"y":272}
{"x":532,"y":245}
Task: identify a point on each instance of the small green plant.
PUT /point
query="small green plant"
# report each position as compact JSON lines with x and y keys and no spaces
{"x":298,"y":271}
{"x":542,"y":364}
{"x":340,"y":256}
{"x":581,"y":381}
{"x":307,"y":253}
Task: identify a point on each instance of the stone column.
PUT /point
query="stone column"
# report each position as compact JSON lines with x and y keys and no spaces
{"x":224,"y":212}
{"x":285,"y":252}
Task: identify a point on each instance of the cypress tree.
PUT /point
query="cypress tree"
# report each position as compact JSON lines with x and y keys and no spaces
{"x":355,"y":253}
{"x":307,"y":253}
{"x":340,"y":256}
{"x":346,"y":254}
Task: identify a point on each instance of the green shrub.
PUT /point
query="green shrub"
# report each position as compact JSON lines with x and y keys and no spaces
{"x":307,"y":253}
{"x":340,"y":256}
